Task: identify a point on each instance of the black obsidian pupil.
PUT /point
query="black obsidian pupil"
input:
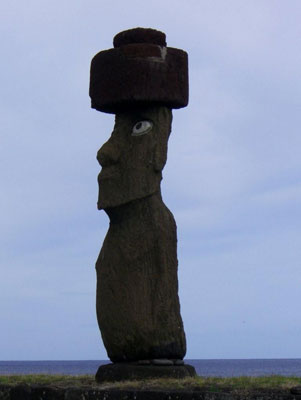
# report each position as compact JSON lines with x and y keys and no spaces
{"x":138,"y":125}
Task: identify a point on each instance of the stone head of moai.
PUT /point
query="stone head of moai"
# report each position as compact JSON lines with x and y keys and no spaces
{"x":140,"y":80}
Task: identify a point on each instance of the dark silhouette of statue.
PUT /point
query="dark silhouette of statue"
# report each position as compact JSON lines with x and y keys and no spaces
{"x":138,"y":308}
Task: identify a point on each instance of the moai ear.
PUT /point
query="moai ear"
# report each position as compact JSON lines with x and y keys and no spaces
{"x":163,"y":132}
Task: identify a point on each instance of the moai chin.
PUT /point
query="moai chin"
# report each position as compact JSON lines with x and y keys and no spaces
{"x":140,"y":80}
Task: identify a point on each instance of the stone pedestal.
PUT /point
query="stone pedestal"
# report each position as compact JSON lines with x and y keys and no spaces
{"x":133,"y":371}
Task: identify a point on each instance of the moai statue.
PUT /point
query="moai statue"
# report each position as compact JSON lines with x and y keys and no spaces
{"x":138,"y":308}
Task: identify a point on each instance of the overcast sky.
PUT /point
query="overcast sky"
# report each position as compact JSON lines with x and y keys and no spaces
{"x":232,"y":178}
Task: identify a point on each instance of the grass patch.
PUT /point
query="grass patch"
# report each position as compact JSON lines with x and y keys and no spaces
{"x":235,"y":384}
{"x":52,"y":380}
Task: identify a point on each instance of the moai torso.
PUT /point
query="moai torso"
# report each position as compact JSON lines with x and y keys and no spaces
{"x":137,"y":303}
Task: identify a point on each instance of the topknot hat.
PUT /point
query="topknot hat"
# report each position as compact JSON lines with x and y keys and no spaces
{"x":139,"y":70}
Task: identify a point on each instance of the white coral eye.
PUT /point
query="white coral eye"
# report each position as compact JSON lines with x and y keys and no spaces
{"x":141,"y":128}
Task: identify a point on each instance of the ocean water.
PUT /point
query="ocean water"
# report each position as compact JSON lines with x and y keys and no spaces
{"x":224,"y":368}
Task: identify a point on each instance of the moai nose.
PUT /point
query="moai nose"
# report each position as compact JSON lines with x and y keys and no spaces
{"x":108,"y":154}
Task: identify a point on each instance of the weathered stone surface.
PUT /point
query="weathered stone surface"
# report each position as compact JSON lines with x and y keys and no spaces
{"x":29,"y":392}
{"x":138,"y":307}
{"x":140,"y":70}
{"x":132,"y":165}
{"x":140,"y":35}
{"x":296,"y":390}
{"x":144,"y":362}
{"x":137,"y":303}
{"x":162,"y":361}
{"x":36,"y":392}
{"x":125,"y":371}
{"x":178,"y":362}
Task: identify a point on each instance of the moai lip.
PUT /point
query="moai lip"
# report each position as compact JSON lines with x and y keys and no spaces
{"x":138,"y":71}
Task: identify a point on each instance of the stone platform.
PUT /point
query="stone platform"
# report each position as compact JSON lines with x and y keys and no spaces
{"x":134,"y":371}
{"x":38,"y":392}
